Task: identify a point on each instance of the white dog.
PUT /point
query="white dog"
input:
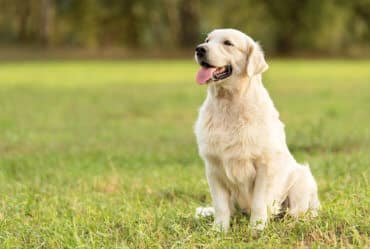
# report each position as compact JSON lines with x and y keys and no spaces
{"x":241,"y":138}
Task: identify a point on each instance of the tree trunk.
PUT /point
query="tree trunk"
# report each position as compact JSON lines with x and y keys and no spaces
{"x":172,"y":14}
{"x":23,"y":12}
{"x":189,"y":22}
{"x":47,"y":12}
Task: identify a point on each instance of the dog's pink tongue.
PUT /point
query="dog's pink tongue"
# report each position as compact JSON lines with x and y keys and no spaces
{"x":204,"y":74}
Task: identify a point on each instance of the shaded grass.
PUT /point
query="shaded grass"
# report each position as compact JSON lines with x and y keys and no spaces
{"x":102,"y":154}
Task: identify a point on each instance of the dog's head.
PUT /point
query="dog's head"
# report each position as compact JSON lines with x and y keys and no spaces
{"x":228,"y":53}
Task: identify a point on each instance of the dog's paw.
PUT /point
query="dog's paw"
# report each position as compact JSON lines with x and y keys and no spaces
{"x":257,"y":225}
{"x":313,"y":212}
{"x":219,"y":227}
{"x":204,"y":212}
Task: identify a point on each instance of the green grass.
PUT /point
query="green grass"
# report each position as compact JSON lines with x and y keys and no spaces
{"x":102,"y":155}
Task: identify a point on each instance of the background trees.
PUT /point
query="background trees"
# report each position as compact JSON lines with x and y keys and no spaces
{"x":303,"y":26}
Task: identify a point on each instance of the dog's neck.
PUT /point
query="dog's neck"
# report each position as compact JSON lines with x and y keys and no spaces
{"x":232,"y":90}
{"x":245,"y":92}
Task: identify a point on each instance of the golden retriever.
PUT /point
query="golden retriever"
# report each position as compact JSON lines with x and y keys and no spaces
{"x":241,"y":138}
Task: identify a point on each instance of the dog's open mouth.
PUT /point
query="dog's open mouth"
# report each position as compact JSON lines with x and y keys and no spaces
{"x":208,"y":73}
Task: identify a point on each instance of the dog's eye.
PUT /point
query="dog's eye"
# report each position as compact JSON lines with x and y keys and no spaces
{"x":228,"y":43}
{"x":207,"y":40}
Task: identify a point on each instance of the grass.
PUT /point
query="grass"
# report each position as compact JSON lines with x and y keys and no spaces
{"x":102,"y":155}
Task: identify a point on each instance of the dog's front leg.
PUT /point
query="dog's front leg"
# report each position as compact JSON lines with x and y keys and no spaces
{"x":259,"y":204}
{"x":221,"y":200}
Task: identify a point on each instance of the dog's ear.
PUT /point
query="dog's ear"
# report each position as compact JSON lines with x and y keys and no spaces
{"x":256,"y":63}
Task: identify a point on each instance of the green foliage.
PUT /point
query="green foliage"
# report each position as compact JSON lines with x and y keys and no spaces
{"x":306,"y":26}
{"x":102,"y":155}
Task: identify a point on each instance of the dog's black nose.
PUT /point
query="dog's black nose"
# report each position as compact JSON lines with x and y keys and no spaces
{"x":200,"y":51}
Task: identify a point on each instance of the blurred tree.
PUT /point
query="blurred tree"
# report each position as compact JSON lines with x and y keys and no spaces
{"x":47,"y":10}
{"x":360,"y":22}
{"x":288,"y":16}
{"x":330,"y":26}
{"x":189,"y":22}
{"x":23,"y":11}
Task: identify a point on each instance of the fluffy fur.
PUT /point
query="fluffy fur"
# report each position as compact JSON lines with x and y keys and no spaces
{"x":242,"y":140}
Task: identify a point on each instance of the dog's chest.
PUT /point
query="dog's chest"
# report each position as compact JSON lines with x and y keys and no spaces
{"x":226,"y":132}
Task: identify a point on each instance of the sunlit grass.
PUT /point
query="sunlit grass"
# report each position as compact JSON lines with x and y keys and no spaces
{"x":102,"y":154}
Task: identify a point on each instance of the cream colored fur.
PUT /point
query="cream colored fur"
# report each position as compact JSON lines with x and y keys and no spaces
{"x":242,"y":140}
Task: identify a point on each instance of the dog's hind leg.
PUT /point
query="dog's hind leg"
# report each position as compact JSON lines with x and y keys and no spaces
{"x":303,"y":194}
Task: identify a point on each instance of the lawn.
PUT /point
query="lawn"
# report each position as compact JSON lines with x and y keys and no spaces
{"x":101,"y":154}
